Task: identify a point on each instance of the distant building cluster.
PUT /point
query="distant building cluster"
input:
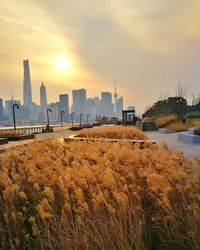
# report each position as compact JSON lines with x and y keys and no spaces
{"x":90,"y":108}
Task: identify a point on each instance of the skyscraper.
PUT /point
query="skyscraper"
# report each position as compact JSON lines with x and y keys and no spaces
{"x":97,"y":105}
{"x":64,"y":106}
{"x":90,"y":107}
{"x":106,"y":104}
{"x":43,"y":96}
{"x":9,"y":108}
{"x":79,"y":101}
{"x":1,"y":109}
{"x":119,"y":107}
{"x":27,"y":94}
{"x":55,"y":116}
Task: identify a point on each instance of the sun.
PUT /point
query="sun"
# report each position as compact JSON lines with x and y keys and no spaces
{"x":62,"y":63}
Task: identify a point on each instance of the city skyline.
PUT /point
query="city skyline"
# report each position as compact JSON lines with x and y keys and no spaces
{"x":42,"y":94}
{"x":26,"y":95}
{"x":87,"y":107}
{"x":144,"y":46}
{"x":109,"y":105}
{"x":27,"y":99}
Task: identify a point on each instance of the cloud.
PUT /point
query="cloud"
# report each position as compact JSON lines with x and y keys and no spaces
{"x":144,"y":44}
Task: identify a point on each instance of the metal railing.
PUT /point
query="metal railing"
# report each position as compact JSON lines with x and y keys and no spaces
{"x":35,"y":129}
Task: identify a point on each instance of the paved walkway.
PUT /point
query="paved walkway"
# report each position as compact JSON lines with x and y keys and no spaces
{"x":190,"y":150}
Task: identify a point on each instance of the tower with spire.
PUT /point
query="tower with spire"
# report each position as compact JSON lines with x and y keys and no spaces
{"x":115,"y":95}
{"x":43,"y":96}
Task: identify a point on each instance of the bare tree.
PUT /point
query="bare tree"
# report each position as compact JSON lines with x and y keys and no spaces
{"x":182,"y":90}
{"x":195,"y":98}
{"x":164,"y":95}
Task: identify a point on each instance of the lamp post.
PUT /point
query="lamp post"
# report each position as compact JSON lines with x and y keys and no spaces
{"x":182,"y":111}
{"x":48,"y":110}
{"x":99,"y":119}
{"x":61,"y":117}
{"x":80,"y":116}
{"x":17,"y":107}
{"x":88,"y":118}
{"x":72,"y":117}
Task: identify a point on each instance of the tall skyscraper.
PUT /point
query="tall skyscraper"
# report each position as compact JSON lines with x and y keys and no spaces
{"x":79,"y":101}
{"x":64,"y":106}
{"x":27,"y":94}
{"x":1,"y":109}
{"x":106,"y":104}
{"x":43,"y":96}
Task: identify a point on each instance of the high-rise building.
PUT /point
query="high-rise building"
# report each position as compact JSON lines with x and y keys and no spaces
{"x":97,"y":105}
{"x":9,"y":109}
{"x":115,"y":95}
{"x":27,"y":94}
{"x":64,"y":106}
{"x":90,"y":107}
{"x":79,"y":101}
{"x":55,"y":111}
{"x":106,"y":104}
{"x":34,"y":111}
{"x":43,"y":96}
{"x":119,"y":107}
{"x":1,"y":109}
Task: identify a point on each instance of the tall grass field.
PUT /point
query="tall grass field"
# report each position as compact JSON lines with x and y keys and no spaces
{"x":98,"y":195}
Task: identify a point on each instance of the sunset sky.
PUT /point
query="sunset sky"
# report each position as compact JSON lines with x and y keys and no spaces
{"x":147,"y":45}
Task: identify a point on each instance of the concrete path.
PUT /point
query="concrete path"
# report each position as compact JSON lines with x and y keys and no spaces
{"x":190,"y":150}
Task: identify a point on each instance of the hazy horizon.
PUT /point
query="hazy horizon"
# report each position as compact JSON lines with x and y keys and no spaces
{"x":146,"y":47}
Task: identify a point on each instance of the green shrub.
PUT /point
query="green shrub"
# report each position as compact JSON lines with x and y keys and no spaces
{"x":193,"y":115}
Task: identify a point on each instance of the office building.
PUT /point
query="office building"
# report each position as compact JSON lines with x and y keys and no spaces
{"x":90,"y":107}
{"x":106,"y":104}
{"x":97,"y":105}
{"x":119,"y":107}
{"x":1,"y":110}
{"x":79,"y":101}
{"x":64,"y":106}
{"x":9,"y":109}
{"x":54,"y":112}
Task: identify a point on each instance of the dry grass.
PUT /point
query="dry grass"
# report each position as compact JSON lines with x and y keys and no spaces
{"x":10,"y":133}
{"x":86,"y":195}
{"x":114,"y":132}
{"x":165,"y":120}
{"x":178,"y":126}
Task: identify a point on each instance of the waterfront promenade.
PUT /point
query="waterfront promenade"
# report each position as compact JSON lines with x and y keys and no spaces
{"x":190,"y":150}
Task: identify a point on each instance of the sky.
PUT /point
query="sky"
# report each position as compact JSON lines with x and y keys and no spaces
{"x":148,"y":46}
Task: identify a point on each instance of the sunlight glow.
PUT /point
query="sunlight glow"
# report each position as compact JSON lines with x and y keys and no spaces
{"x":62,"y":63}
